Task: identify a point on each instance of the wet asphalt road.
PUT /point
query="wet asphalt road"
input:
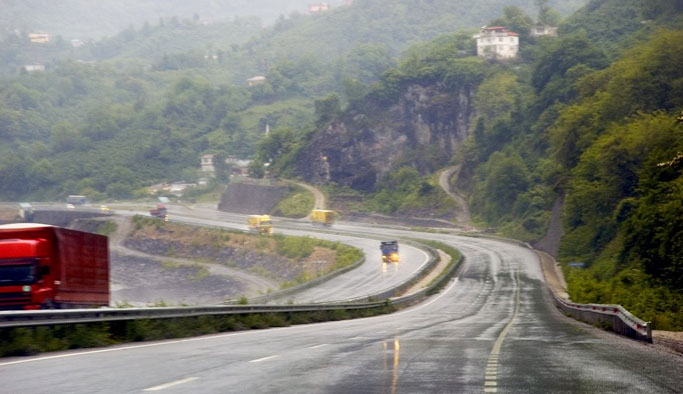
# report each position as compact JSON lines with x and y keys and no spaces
{"x":492,"y":329}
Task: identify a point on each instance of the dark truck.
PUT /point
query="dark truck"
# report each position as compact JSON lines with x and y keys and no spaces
{"x":43,"y":266}
{"x":389,"y":251}
{"x":160,"y":212}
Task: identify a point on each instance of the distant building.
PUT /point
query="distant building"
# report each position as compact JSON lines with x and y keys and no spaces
{"x":207,"y":163}
{"x":177,"y":188}
{"x":317,"y":8}
{"x":77,"y":43}
{"x":239,"y":166}
{"x":497,"y":42}
{"x":34,"y":68}
{"x":538,"y":31}
{"x":39,"y":38}
{"x":257,"y":80}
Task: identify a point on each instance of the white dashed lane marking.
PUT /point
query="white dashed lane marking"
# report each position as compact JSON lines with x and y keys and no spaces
{"x":258,"y":360}
{"x":171,"y":384}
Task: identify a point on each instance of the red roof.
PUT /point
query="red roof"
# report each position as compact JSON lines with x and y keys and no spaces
{"x":512,"y":33}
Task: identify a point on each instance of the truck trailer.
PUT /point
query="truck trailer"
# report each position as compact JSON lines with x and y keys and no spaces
{"x":43,"y":266}
{"x":260,"y":224}
{"x":323,"y":217}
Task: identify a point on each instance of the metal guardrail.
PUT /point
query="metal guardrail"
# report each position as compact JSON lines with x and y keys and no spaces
{"x":616,"y":317}
{"x":50,"y":317}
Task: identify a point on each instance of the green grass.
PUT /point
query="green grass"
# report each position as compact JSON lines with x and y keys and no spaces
{"x":298,"y":203}
{"x":107,"y":228}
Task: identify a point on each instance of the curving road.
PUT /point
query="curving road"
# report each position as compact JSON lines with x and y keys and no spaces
{"x":370,"y":278}
{"x":492,"y":329}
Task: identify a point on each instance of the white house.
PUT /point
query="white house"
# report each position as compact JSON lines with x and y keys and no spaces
{"x":538,"y":31}
{"x":316,"y":8}
{"x":257,"y":80}
{"x":207,"y":163}
{"x":39,"y":38}
{"x":34,"y":67}
{"x":497,"y":42}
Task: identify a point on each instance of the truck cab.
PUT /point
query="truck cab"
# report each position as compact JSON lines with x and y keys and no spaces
{"x":389,"y":251}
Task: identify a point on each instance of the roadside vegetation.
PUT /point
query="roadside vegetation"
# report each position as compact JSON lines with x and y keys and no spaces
{"x":288,"y":259}
{"x":297,"y":204}
{"x":592,"y":120}
{"x":30,"y":341}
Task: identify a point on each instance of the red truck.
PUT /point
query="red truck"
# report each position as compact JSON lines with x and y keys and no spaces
{"x":43,"y":266}
{"x":160,"y":212}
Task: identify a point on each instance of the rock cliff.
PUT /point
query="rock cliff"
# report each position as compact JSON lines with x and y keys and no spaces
{"x":423,"y":129}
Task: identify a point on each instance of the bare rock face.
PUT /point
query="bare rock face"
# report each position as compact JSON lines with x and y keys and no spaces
{"x":423,"y":129}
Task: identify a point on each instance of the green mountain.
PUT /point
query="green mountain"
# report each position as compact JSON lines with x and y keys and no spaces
{"x":582,"y":118}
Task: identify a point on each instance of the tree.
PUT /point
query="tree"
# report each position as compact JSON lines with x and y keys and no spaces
{"x":327,"y":108}
{"x":256,"y":169}
{"x":222,"y":169}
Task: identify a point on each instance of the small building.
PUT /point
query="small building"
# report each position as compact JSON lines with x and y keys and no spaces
{"x":497,"y":42}
{"x":257,"y":80}
{"x":177,"y":188}
{"x":34,"y":68}
{"x":239,"y":166}
{"x":39,"y":38}
{"x":207,"y":163}
{"x":77,"y":43}
{"x":317,"y":8}
{"x":538,"y":31}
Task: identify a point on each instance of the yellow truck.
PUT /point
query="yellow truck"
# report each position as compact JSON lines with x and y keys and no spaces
{"x":260,"y":224}
{"x":323,"y":217}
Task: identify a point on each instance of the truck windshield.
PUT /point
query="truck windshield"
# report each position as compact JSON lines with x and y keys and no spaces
{"x":17,"y":272}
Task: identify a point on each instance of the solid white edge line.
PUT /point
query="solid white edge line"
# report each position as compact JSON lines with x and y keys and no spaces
{"x":318,"y":346}
{"x":171,"y":384}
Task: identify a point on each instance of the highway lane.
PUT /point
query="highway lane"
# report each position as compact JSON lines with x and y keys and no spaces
{"x":491,"y":330}
{"x":371,"y":277}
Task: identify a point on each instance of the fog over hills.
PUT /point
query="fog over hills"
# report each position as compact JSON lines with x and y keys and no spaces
{"x":87,"y":19}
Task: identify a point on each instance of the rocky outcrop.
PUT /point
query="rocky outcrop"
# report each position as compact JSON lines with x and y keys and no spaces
{"x":423,"y":129}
